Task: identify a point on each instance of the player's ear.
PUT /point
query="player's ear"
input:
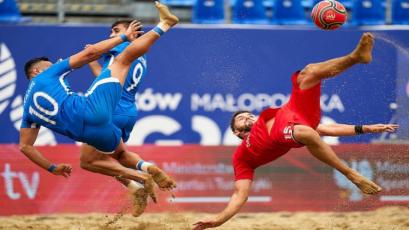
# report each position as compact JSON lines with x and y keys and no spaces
{"x":237,"y":133}
{"x":35,"y":71}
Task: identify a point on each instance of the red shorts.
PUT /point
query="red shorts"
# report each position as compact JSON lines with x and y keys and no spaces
{"x":302,"y":108}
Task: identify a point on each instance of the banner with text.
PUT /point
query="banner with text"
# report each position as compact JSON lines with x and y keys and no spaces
{"x":204,"y":175}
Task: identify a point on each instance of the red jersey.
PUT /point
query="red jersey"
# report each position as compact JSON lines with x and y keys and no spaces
{"x":260,"y":147}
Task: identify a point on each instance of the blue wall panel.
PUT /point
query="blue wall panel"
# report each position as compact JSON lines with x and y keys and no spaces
{"x":197,"y":77}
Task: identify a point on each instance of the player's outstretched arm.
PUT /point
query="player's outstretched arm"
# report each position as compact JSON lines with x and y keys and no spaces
{"x":93,"y":52}
{"x":27,"y":140}
{"x":238,"y":199}
{"x":351,"y":130}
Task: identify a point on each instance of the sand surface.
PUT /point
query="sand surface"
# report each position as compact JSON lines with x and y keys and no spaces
{"x":389,"y":218}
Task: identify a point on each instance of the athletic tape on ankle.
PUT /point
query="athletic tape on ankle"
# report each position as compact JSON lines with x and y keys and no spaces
{"x":143,"y":166}
{"x":158,"y":30}
{"x":135,"y":185}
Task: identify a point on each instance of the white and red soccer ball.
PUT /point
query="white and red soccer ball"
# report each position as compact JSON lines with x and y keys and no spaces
{"x":329,"y":14}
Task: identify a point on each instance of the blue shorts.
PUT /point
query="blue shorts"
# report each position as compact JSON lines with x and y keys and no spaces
{"x":105,"y":138}
{"x":101,"y":99}
{"x":125,"y":123}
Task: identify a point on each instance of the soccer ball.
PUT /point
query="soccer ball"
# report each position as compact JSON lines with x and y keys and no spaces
{"x":329,"y":14}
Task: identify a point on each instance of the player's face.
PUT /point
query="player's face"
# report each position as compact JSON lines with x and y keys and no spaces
{"x":243,"y":123}
{"x":117,"y":30}
{"x":40,"y":67}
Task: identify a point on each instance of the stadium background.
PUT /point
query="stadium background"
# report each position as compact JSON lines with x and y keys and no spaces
{"x":197,"y":76}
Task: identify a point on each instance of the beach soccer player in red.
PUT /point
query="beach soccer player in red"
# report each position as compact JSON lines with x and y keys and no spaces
{"x":294,"y":125}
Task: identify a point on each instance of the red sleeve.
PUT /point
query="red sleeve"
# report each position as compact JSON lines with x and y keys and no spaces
{"x":296,"y":86}
{"x":294,"y":79}
{"x":242,"y":170}
{"x":268,"y":113}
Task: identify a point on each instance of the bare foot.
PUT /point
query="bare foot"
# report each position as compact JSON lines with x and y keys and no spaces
{"x":364,"y":184}
{"x":149,"y":188}
{"x":139,"y":197}
{"x":165,"y":15}
{"x":363,"y":51}
{"x":139,"y":201}
{"x":164,"y":181}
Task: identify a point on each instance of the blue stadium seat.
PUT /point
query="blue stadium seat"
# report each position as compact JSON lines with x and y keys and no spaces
{"x":9,"y":12}
{"x":400,"y":12}
{"x":368,"y":12}
{"x":208,"y":11}
{"x":266,"y":3}
{"x":346,"y":3}
{"x":249,"y":12}
{"x":178,"y":2}
{"x":289,"y":12}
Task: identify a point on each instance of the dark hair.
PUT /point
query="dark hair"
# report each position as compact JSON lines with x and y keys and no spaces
{"x":124,"y":22}
{"x":31,"y":63}
{"x":232,"y":121}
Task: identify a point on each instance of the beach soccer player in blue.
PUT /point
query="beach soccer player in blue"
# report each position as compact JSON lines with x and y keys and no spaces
{"x":124,"y":118}
{"x":50,"y":102}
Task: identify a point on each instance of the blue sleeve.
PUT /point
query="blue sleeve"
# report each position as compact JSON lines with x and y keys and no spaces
{"x":59,"y":68}
{"x":26,"y":123}
{"x":119,"y":48}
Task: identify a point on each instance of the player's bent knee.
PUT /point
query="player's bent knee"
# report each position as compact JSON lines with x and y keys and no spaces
{"x":306,"y":135}
{"x":309,"y":77}
{"x":309,"y":70}
{"x":118,"y":155}
{"x":84,"y":165}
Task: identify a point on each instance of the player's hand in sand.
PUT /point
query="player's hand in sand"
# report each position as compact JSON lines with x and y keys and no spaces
{"x":207,"y":223}
{"x":63,"y":170}
{"x":134,"y":30}
{"x":380,"y":128}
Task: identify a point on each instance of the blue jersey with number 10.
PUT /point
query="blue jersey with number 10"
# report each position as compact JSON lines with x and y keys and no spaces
{"x":50,"y":102}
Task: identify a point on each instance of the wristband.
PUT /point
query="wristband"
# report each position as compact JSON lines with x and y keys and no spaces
{"x":123,"y":37}
{"x":52,"y":168}
{"x":359,"y":129}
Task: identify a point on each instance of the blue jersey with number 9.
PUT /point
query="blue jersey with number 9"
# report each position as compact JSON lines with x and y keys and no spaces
{"x":125,"y":113}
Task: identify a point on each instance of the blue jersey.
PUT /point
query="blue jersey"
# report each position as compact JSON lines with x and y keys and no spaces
{"x":137,"y":72}
{"x":50,"y":102}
